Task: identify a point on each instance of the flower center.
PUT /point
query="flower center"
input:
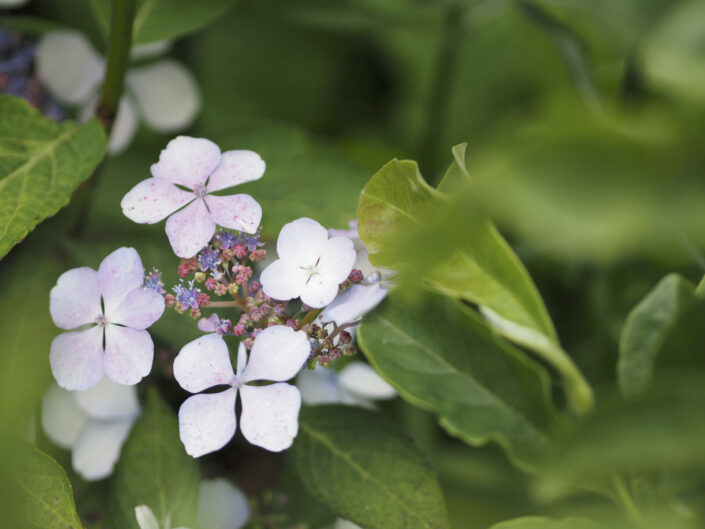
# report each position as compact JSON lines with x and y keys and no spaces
{"x":101,"y":321}
{"x":200,"y":190}
{"x":236,"y":383}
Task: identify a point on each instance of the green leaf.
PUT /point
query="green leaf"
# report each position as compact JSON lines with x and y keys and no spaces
{"x":154,"y":470}
{"x":41,"y":165}
{"x":442,"y":357}
{"x":44,"y":494}
{"x":538,"y":522}
{"x":399,"y":213}
{"x":665,"y":323}
{"x":366,"y":471}
{"x":164,"y":19}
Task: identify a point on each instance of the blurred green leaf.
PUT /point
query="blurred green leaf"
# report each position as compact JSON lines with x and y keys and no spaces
{"x":366,"y":471}
{"x":537,"y":522}
{"x":665,"y":323}
{"x":399,"y":213}
{"x":41,"y":165}
{"x":154,"y":470}
{"x":445,"y":359}
{"x":43,"y":491}
{"x":164,"y":19}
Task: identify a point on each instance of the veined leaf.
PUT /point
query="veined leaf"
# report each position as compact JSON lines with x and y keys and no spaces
{"x":367,"y":471}
{"x":41,"y":165}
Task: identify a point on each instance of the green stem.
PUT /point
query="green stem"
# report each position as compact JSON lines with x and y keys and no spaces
{"x":440,"y":96}
{"x":123,"y":15}
{"x":310,"y":316}
{"x":624,"y":499}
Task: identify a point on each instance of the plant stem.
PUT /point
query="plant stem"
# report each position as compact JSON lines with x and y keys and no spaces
{"x":446,"y":67}
{"x":624,"y":499}
{"x":310,"y":316}
{"x":120,"y":43}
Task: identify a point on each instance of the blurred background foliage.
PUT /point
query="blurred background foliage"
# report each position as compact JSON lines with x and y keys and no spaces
{"x":586,"y":145}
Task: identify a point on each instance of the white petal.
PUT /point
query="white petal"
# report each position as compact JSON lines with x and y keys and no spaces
{"x":319,"y":291}
{"x":140,"y":308}
{"x":241,"y":359}
{"x":187,"y":161}
{"x":352,"y":304}
{"x":128,"y":354}
{"x":166,"y":93}
{"x":76,"y":358}
{"x":145,"y":517}
{"x":124,"y":126}
{"x":319,"y":386}
{"x":283,"y":280}
{"x":75,"y":300}
{"x":108,"y":400}
{"x":237,"y":212}
{"x":68,"y":66}
{"x":190,"y":229}
{"x":301,"y":242}
{"x":278,"y":354}
{"x":235,"y":168}
{"x":221,"y":505}
{"x":147,"y":51}
{"x":203,"y":363}
{"x":62,"y":419}
{"x":270,"y":415}
{"x":98,"y":446}
{"x":208,"y":324}
{"x":12,"y":3}
{"x":337,"y":259}
{"x":118,"y":274}
{"x":152,"y":200}
{"x":345,"y":524}
{"x":361,"y":380}
{"x":207,"y":422}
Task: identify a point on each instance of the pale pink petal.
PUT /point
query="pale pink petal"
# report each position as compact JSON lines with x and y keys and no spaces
{"x":75,"y":300}
{"x":361,"y":380}
{"x":352,"y":304}
{"x":236,"y":167}
{"x":118,"y":274}
{"x":98,"y":446}
{"x":208,"y":324}
{"x":319,"y":386}
{"x":221,"y":505}
{"x":203,"y":363}
{"x":270,"y":415}
{"x":108,"y":400}
{"x":241,"y":359}
{"x":190,"y":229}
{"x":278,"y":354}
{"x":140,"y":308}
{"x":62,"y":419}
{"x":237,"y":212}
{"x":301,"y":242}
{"x":337,"y":259}
{"x":76,"y":358}
{"x":319,"y":291}
{"x":153,"y":200}
{"x":187,"y":161}
{"x":283,"y":280}
{"x":207,"y":422}
{"x":128,"y":354}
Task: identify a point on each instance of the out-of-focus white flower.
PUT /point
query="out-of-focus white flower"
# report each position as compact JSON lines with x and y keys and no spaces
{"x":12,"y":3}
{"x":221,"y":505}
{"x":93,"y":424}
{"x":164,"y":94}
{"x":357,"y":384}
{"x":310,"y":265}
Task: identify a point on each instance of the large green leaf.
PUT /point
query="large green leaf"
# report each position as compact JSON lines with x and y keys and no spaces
{"x":43,"y":492}
{"x":538,"y":522}
{"x":666,"y":323}
{"x":367,"y":471}
{"x":41,"y":164}
{"x":463,"y":256}
{"x":164,"y":19}
{"x":154,"y":470}
{"x":444,"y":358}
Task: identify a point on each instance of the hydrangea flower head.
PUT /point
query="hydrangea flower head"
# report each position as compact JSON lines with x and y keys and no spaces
{"x":310,"y":265}
{"x":197,"y":165}
{"x":269,"y":413}
{"x":78,"y":358}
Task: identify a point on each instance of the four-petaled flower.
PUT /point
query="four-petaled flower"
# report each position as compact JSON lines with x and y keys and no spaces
{"x":310,"y":265}
{"x":269,"y":415}
{"x":78,"y":359}
{"x":198,"y":165}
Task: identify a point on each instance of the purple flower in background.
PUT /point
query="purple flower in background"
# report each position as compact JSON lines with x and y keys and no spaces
{"x":154,"y":281}
{"x":186,"y":297}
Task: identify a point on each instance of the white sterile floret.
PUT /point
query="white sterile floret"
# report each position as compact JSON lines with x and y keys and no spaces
{"x":221,"y":505}
{"x":310,"y":265}
{"x":93,"y":424}
{"x":269,"y":412}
